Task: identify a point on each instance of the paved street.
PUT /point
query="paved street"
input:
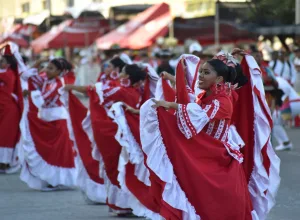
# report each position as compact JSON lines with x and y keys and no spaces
{"x":18,"y":202}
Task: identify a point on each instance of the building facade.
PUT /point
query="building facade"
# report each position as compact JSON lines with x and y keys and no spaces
{"x":13,"y":9}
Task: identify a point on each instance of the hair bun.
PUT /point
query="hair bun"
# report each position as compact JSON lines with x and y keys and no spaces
{"x":240,"y":79}
{"x":231,"y":74}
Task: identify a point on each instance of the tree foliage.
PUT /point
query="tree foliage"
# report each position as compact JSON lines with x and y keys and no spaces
{"x":272,"y":12}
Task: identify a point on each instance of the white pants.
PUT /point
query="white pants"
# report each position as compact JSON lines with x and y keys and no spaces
{"x":279,"y":132}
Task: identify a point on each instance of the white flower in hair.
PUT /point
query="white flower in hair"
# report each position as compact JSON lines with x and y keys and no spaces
{"x":227,"y":58}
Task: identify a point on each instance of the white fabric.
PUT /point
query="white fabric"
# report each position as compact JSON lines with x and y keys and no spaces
{"x":260,"y":181}
{"x":15,"y":51}
{"x":132,"y":153}
{"x":37,"y":98}
{"x":36,"y":172}
{"x":195,"y":47}
{"x":159,"y":93}
{"x":94,"y":191}
{"x":233,"y":136}
{"x":196,"y":115}
{"x":13,"y":157}
{"x":158,"y":161}
{"x":128,"y":142}
{"x":191,"y":95}
{"x":87,"y":127}
{"x":115,"y":195}
{"x":153,"y":76}
{"x":99,"y":91}
{"x":192,"y":64}
{"x":137,"y":208}
{"x":29,"y":73}
{"x":53,"y":114}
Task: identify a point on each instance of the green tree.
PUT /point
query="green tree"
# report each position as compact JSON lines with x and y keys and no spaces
{"x":272,"y":11}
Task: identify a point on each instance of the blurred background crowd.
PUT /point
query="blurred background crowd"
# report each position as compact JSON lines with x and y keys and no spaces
{"x":90,"y":32}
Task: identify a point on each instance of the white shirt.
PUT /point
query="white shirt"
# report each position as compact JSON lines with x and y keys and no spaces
{"x":284,"y":70}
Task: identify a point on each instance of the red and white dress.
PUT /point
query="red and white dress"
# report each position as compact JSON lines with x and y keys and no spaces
{"x":89,"y":181}
{"x":10,"y":115}
{"x":48,"y":146}
{"x":133,"y":174}
{"x":195,"y":158}
{"x":69,"y":77}
{"x":253,"y":121}
{"x":101,"y":130}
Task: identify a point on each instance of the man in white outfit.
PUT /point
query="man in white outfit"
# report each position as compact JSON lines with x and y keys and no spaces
{"x":297,"y":66}
{"x":283,"y":67}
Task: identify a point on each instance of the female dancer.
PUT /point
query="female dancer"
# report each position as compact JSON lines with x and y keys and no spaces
{"x":10,"y":111}
{"x":112,"y":72}
{"x":104,"y":130}
{"x":50,"y":157}
{"x":68,"y":74}
{"x":88,"y":180}
{"x":133,"y":174}
{"x":191,"y":153}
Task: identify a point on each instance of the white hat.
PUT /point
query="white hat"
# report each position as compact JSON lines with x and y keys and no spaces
{"x":195,"y":47}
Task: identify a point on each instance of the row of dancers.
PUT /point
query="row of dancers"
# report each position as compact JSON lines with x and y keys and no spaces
{"x":196,"y":145}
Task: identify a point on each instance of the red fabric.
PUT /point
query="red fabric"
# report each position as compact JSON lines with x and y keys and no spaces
{"x":104,"y":130}
{"x":137,"y":188}
{"x":17,"y":39}
{"x":77,"y":113}
{"x":266,"y":159}
{"x":116,"y":207}
{"x":7,"y":50}
{"x":119,"y":36}
{"x":156,"y":188}
{"x":70,"y":78}
{"x":202,"y":167}
{"x":71,"y":33}
{"x":203,"y":156}
{"x":51,"y":140}
{"x":201,"y":176}
{"x":169,"y":92}
{"x":181,"y":91}
{"x":147,"y":92}
{"x":129,"y":95}
{"x":144,"y":36}
{"x":100,"y":76}
{"x":10,"y":112}
{"x":243,"y":119}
